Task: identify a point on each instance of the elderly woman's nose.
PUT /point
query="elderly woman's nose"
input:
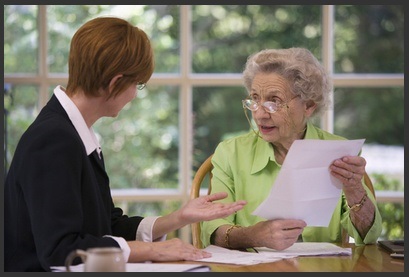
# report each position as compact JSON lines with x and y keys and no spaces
{"x":261,"y":113}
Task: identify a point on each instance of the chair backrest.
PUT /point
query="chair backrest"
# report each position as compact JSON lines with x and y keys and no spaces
{"x":204,"y":175}
{"x":368,"y":183}
{"x":205,"y":170}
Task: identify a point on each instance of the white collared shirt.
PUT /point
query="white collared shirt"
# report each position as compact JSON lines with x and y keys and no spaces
{"x":87,"y":135}
{"x":91,"y":143}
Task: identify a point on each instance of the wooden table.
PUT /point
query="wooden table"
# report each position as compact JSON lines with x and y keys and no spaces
{"x":369,"y":258}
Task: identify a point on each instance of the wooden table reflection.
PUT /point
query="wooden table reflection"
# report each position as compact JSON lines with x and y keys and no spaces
{"x":369,"y":258}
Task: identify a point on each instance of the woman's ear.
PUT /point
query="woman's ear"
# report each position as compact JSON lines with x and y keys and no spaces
{"x":112,"y":84}
{"x":114,"y":80}
{"x":310,"y":107}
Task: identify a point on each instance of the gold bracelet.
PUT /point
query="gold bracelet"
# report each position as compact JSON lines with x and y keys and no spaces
{"x":357,"y":207}
{"x":226,"y":235}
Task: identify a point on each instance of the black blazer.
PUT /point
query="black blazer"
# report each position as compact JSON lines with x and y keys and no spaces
{"x":56,"y":197}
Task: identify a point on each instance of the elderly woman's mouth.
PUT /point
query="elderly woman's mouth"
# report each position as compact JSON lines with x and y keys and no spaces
{"x":266,"y":129}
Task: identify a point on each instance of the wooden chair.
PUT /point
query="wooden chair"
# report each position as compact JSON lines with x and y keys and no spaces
{"x":205,"y":170}
{"x":203,"y":176}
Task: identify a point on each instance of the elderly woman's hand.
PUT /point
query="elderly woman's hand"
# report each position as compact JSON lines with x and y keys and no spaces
{"x":350,"y":171}
{"x":277,"y":234}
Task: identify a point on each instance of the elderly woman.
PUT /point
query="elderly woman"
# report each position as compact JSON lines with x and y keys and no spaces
{"x":286,"y":88}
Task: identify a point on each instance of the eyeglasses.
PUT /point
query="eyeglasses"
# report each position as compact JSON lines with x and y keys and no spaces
{"x":140,"y":86}
{"x":269,"y":106}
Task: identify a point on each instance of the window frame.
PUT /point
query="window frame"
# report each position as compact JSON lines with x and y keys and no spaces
{"x":187,"y":80}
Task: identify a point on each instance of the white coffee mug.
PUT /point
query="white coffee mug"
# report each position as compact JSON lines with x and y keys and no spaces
{"x":102,"y":259}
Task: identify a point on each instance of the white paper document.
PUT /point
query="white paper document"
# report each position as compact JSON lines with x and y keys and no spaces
{"x":268,"y":255}
{"x":307,"y":249}
{"x":304,"y":188}
{"x":229,"y":256}
{"x":146,"y":267}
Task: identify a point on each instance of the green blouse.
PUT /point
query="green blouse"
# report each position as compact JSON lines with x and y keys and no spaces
{"x":245,"y":167}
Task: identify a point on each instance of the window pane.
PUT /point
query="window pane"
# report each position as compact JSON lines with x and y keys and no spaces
{"x":20,"y":39}
{"x":140,"y":146}
{"x":218,"y":114}
{"x":369,"y":39}
{"x":20,"y":109}
{"x":375,"y":114}
{"x":393,"y":215}
{"x":372,"y":113}
{"x":224,"y":36}
{"x":62,"y":22}
{"x":160,"y":22}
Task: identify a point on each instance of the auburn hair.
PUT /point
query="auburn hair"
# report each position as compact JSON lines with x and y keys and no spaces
{"x":103,"y":48}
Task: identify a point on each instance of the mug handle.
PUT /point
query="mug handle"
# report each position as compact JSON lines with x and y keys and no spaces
{"x":76,"y":253}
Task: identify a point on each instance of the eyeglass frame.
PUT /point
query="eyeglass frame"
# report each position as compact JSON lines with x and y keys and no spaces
{"x":258,"y":106}
{"x":140,"y":86}
{"x":279,"y":106}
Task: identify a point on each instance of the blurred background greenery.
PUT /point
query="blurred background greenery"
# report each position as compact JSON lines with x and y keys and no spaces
{"x":193,"y":101}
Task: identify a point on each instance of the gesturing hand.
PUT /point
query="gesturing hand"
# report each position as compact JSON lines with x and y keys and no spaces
{"x":204,"y":208}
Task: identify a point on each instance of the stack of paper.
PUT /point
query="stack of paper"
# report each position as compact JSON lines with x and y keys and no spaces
{"x":267,"y":255}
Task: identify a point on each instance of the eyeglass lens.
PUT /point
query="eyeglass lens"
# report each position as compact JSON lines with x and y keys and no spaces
{"x":141,"y":86}
{"x":252,"y":105}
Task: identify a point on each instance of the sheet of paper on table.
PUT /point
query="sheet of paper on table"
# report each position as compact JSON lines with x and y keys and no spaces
{"x":229,"y":256}
{"x":304,"y":188}
{"x":268,"y":255}
{"x":307,"y":249}
{"x":146,"y":267}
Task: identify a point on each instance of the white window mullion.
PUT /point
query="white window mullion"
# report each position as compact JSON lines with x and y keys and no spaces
{"x":42,"y":55}
{"x":327,"y":119}
{"x":185,"y":111}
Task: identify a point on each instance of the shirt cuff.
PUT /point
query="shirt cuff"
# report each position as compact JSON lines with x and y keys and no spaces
{"x":126,"y":250}
{"x":144,"y":232}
